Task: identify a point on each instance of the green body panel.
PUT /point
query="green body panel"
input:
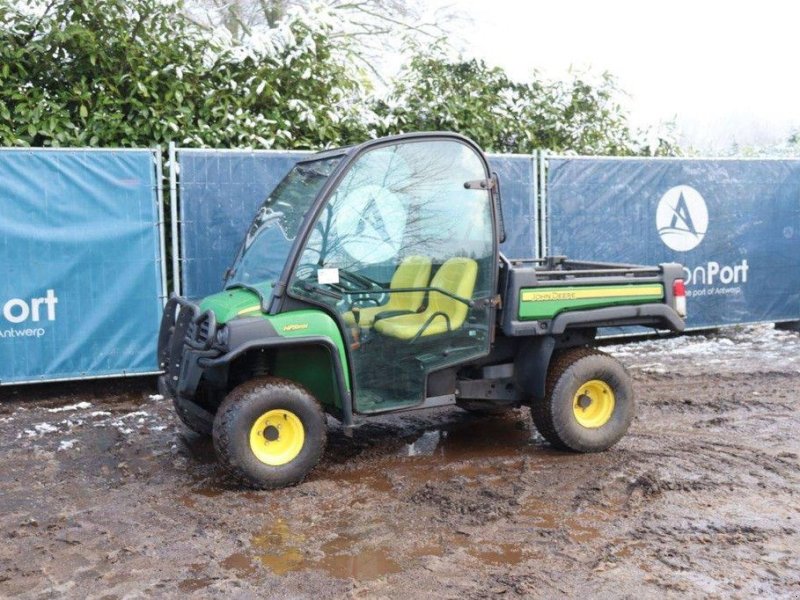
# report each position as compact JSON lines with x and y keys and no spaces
{"x":305,"y":323}
{"x":547,"y":302}
{"x":310,"y":366}
{"x":236,"y":302}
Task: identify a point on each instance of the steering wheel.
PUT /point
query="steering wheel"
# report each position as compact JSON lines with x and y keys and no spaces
{"x":359,"y":281}
{"x":305,"y":271}
{"x":365,"y":291}
{"x":364,"y":300}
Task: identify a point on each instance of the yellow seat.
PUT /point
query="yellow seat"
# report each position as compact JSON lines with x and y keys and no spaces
{"x":456,"y":276}
{"x":413,"y":272}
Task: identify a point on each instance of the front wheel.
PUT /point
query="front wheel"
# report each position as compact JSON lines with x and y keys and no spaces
{"x":269,"y":433}
{"x":588,"y":404}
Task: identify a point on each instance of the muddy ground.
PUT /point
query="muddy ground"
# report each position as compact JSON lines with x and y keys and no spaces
{"x":104,"y":495}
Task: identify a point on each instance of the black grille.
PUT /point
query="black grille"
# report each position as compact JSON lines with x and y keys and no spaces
{"x":182,"y":324}
{"x":168,"y":320}
{"x":200,"y":332}
{"x":182,"y":328}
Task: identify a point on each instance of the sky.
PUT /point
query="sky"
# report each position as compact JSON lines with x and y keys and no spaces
{"x":725,"y":72}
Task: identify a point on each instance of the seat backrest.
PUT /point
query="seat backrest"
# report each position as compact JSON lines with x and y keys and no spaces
{"x":457,"y":276}
{"x":413,"y":272}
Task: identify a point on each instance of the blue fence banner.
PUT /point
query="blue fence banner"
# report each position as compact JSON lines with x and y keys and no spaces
{"x":517,"y":175}
{"x":82,"y":291}
{"x":220,"y":191}
{"x":733,"y":224}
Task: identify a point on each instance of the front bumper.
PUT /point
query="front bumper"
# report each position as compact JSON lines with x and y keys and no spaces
{"x":185,"y":336}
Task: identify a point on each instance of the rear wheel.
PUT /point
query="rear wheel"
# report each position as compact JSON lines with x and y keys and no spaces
{"x":269,"y":433}
{"x":588,"y":403}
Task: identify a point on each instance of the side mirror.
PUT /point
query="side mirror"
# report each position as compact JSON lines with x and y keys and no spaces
{"x":498,"y":208}
{"x":493,"y":185}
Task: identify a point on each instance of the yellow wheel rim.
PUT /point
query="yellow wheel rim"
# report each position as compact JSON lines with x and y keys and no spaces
{"x":277,"y":437}
{"x":593,"y":404}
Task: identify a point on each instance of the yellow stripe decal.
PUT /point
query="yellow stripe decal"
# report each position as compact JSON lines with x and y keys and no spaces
{"x":590,"y":293}
{"x":248,"y":310}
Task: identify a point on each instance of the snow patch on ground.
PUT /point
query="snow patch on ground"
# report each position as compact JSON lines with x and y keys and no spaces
{"x":78,"y":406}
{"x":730,"y":350}
{"x":155,"y":397}
{"x":122,"y":428}
{"x":137,"y":413}
{"x":67,"y":445}
{"x":128,"y":423}
{"x":38,"y":430}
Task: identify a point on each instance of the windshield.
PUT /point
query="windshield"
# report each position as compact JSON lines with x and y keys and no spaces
{"x":277,"y":222}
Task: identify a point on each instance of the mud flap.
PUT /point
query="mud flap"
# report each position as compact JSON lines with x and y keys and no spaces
{"x":164,"y":389}
{"x":531,"y":364}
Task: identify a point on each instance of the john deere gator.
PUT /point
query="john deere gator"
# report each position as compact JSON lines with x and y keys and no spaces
{"x":371,"y":281}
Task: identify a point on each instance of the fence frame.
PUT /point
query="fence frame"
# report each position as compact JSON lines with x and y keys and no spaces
{"x":174,"y":168}
{"x":155,"y":154}
{"x":546,"y":156}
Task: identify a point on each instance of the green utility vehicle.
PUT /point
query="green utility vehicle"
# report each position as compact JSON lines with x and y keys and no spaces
{"x":371,"y":281}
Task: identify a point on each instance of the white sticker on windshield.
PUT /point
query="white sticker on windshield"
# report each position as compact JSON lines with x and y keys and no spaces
{"x":326,"y":276}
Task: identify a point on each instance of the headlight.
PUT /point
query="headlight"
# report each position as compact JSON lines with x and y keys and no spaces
{"x":221,"y":337}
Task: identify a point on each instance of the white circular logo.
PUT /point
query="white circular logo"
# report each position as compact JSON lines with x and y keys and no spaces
{"x":682,"y":218}
{"x":370,"y":224}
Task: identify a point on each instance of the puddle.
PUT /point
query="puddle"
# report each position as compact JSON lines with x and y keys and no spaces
{"x":351,"y":555}
{"x":581,"y":527}
{"x":627,"y":549}
{"x":457,"y":447}
{"x":488,"y":437}
{"x":498,"y":554}
{"x":372,"y":477}
{"x":193,"y":585}
{"x":435,"y":455}
{"x":209,"y":492}
{"x":281,"y":550}
{"x":493,"y":554}
{"x":581,"y":531}
{"x":428,"y":550}
{"x":426,"y":444}
{"x":389,"y":475}
{"x":238,"y":562}
{"x":285,"y":561}
{"x":463,"y":449}
{"x":540,"y":514}
{"x":361,"y":566}
{"x":341,"y":560}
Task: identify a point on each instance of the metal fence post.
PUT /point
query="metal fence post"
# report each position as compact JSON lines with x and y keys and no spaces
{"x":535,"y":203}
{"x":173,"y":208}
{"x":544,"y":208}
{"x":162,"y":242}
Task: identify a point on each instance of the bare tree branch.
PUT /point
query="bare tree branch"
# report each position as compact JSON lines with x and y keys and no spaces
{"x":384,"y":20}
{"x":39,"y":21}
